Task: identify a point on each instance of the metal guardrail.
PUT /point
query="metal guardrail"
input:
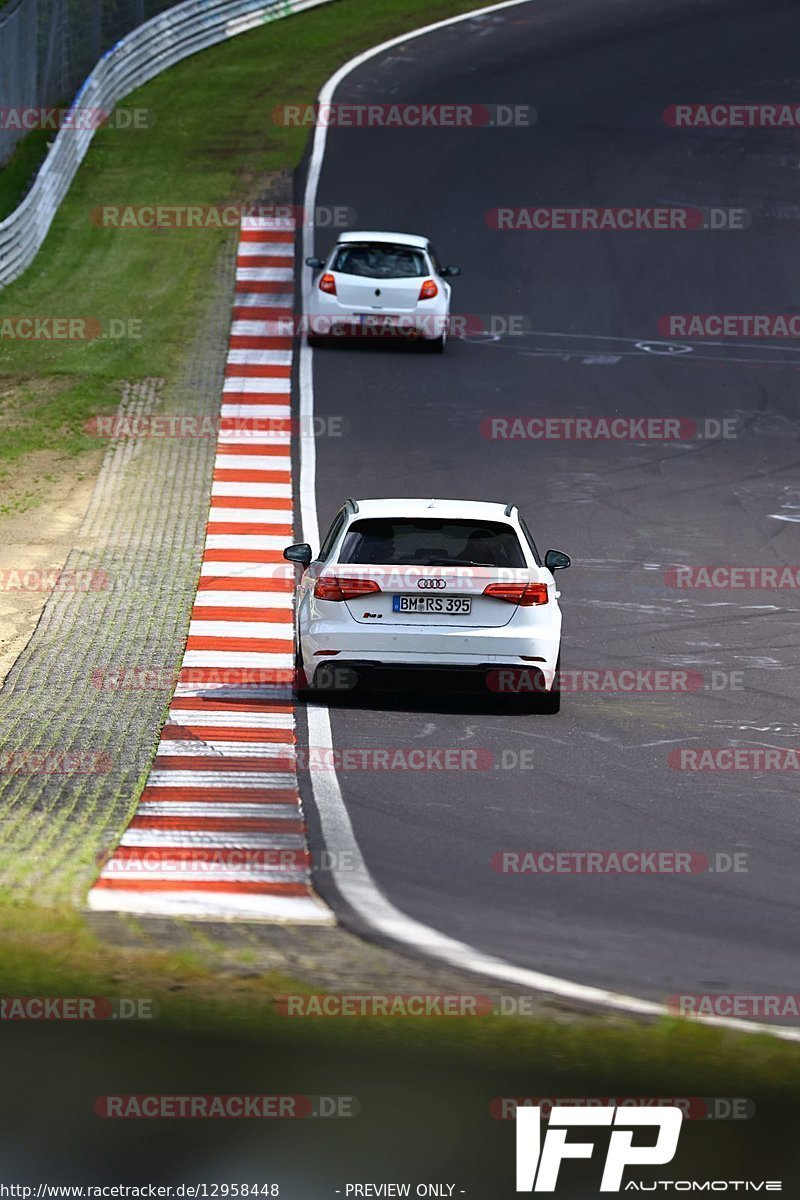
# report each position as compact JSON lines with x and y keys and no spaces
{"x":134,"y":60}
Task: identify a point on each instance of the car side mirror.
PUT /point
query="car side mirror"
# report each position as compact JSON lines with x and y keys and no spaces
{"x":451,"y":271}
{"x":316,"y":263}
{"x":557,"y":560}
{"x":300,"y":553}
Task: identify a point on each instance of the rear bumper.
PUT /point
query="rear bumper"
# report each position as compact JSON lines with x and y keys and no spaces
{"x":506,"y":681}
{"x":477,"y":661}
{"x":336,"y":320}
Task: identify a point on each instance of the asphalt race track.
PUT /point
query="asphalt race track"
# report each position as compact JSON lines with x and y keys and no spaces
{"x":597,"y":776}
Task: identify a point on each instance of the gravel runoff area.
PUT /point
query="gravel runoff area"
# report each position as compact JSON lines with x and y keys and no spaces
{"x":75,"y":748}
{"x":329,"y":959}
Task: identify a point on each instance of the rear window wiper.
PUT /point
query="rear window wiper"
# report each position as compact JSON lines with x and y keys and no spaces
{"x":452,"y":562}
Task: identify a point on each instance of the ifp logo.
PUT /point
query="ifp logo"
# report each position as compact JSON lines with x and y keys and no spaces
{"x":538,"y":1162}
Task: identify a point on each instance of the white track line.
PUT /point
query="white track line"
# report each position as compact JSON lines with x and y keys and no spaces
{"x":212,"y":905}
{"x":355,"y":884}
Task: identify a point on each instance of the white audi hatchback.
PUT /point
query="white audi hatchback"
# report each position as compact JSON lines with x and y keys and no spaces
{"x":380,"y":284}
{"x":431,"y":583}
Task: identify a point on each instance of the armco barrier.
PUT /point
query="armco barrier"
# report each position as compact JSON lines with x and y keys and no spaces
{"x":135,"y":59}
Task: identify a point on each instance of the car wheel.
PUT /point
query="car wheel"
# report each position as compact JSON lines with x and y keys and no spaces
{"x":433,"y":345}
{"x":300,"y":676}
{"x":549,"y":703}
{"x":315,"y":341}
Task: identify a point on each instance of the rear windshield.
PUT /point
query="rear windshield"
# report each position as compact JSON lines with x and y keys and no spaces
{"x":379,"y":261}
{"x":432,"y":543}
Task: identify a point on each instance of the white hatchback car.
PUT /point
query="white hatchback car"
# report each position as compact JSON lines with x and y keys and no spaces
{"x":440,"y":584}
{"x":381,"y":284}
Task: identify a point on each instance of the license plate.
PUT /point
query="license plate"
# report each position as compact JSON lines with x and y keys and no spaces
{"x":448,"y":605}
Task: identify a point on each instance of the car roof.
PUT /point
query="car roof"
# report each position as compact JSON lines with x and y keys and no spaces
{"x":432,"y":508}
{"x":401,"y":239}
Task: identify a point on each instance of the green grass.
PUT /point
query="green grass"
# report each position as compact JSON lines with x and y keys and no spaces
{"x":43,"y":952}
{"x":51,"y":417}
{"x":209,"y":139}
{"x":423,"y":1086}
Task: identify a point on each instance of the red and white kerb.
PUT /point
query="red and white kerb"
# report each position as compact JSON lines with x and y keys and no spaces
{"x":219,"y":831}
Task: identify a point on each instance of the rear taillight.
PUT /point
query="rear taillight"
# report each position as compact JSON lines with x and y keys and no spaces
{"x":331,"y":588}
{"x":327,"y":283}
{"x":428,"y":290}
{"x":518,"y":593}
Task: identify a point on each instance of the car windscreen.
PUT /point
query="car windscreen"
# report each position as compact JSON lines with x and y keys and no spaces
{"x":379,"y":261}
{"x":432,"y":542}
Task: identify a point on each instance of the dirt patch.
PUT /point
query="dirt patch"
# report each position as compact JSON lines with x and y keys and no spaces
{"x":20,"y":396}
{"x":46,"y":499}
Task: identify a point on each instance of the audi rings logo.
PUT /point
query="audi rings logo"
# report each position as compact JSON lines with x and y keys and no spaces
{"x":427,"y":582}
